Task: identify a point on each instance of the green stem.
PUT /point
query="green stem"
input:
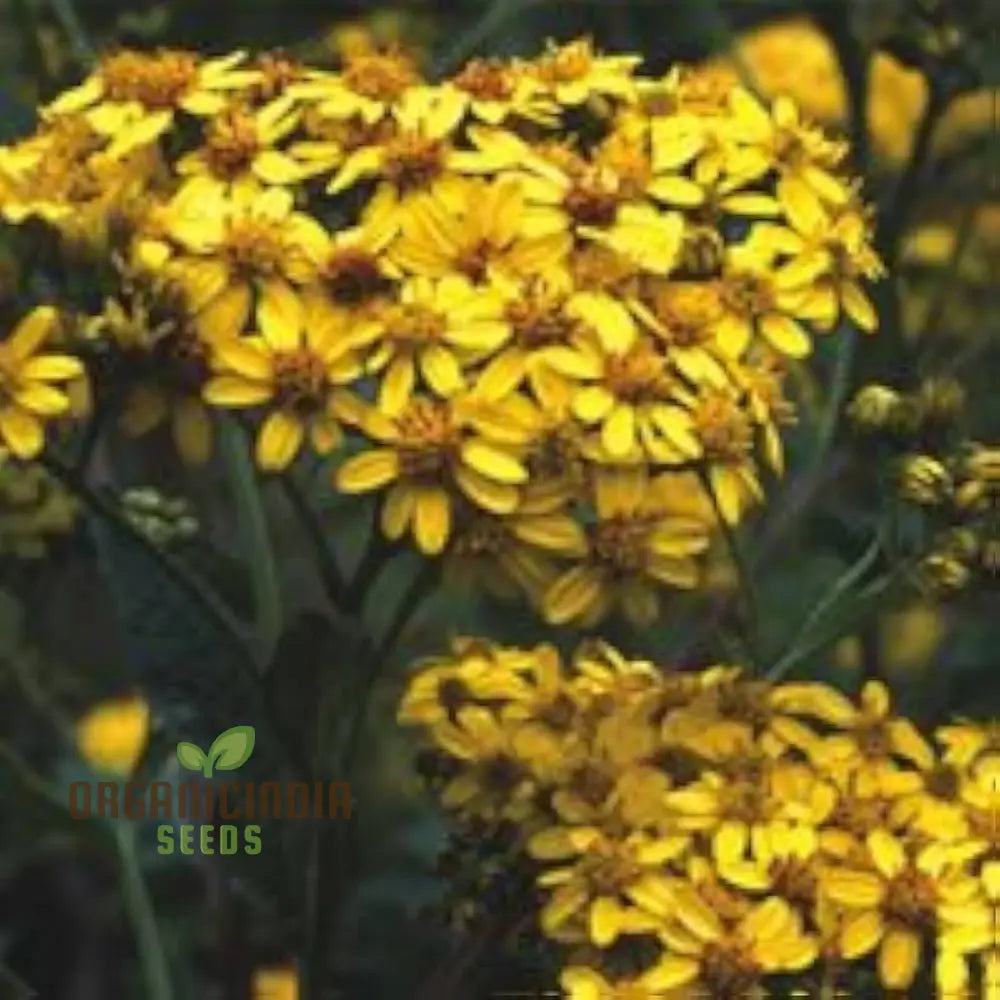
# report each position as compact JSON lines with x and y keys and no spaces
{"x":258,"y":552}
{"x":139,"y":906}
{"x":30,"y":778}
{"x":744,"y":574}
{"x":329,"y":569}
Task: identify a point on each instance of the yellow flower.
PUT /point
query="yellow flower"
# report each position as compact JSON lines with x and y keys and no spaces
{"x":233,"y":244}
{"x":63,"y":175}
{"x":645,"y":537}
{"x":573,"y":73}
{"x":167,"y":361}
{"x":502,"y":763}
{"x":729,"y":957}
{"x":132,"y":96}
{"x":275,"y":984}
{"x":425,"y":455}
{"x":239,"y":143}
{"x":371,"y":86}
{"x":435,"y":330}
{"x":292,"y":365}
{"x":597,"y":885}
{"x":494,"y":90}
{"x":894,"y":903}
{"x":874,"y":743}
{"x":749,"y":799}
{"x":473,"y":228}
{"x":580,"y":982}
{"x":807,"y":162}
{"x":112,"y":735}
{"x":28,"y":381}
{"x":830,"y":261}
{"x":755,"y":307}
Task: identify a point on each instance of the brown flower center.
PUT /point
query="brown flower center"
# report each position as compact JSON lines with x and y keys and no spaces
{"x":795,"y":881}
{"x":413,"y":325}
{"x":380,"y":76}
{"x":722,"y":427}
{"x":300,"y":380}
{"x":428,"y":438}
{"x":256,"y":246}
{"x":593,"y":198}
{"x":231,"y":143}
{"x":412,"y":161}
{"x":622,"y":542}
{"x":911,"y":899}
{"x":566,"y":64}
{"x":486,"y":80}
{"x":539,"y":320}
{"x":157,"y":81}
{"x":638,"y":375}
{"x":687,"y":311}
{"x":729,"y":971}
{"x":278,"y":72}
{"x":747,"y":294}
{"x":352,"y":276}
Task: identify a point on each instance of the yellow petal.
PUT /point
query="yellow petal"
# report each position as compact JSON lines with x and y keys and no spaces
{"x":860,"y":934}
{"x":21,"y":431}
{"x":432,"y":520}
{"x":573,"y":595}
{"x":41,"y":399}
{"x":30,"y":333}
{"x":280,"y":316}
{"x":493,"y":463}
{"x":898,"y":958}
{"x":785,"y":335}
{"x":368,"y":471}
{"x":235,"y":391}
{"x":618,"y":432}
{"x":51,"y":368}
{"x":279,"y":440}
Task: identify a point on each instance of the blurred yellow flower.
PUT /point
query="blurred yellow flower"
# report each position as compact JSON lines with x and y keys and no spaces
{"x":275,"y":984}
{"x":112,"y":736}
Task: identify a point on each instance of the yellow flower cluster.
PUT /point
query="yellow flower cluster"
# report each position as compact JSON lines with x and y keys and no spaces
{"x":746,"y":830}
{"x":551,"y":301}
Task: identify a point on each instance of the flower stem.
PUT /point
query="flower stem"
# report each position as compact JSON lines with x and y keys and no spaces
{"x":258,"y":552}
{"x":139,"y":907}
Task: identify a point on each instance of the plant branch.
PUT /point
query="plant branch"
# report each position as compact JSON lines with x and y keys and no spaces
{"x":172,"y":567}
{"x":329,"y":569}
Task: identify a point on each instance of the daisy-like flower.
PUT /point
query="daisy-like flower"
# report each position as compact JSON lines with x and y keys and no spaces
{"x":293,"y":366}
{"x":684,"y":316}
{"x":132,"y":97}
{"x":239,"y":142}
{"x":233,"y":245}
{"x":807,"y":162}
{"x":502,"y":762}
{"x":573,"y":73}
{"x":634,"y":398}
{"x":371,"y":86}
{"x":581,"y":982}
{"x":30,"y":380}
{"x":755,"y":306}
{"x":474,"y":228}
{"x":166,"y":360}
{"x":894,"y":903}
{"x":598,"y":884}
{"x":424,"y":456}
{"x":646,"y":536}
{"x":63,"y":175}
{"x":434,"y":328}
{"x":830,"y":262}
{"x":728,"y":958}
{"x":875,"y":742}
{"x":751,"y":798}
{"x":512,"y":555}
{"x":494,"y":91}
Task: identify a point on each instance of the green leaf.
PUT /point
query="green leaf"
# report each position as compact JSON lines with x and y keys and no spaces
{"x":232,"y":748}
{"x":190,"y":756}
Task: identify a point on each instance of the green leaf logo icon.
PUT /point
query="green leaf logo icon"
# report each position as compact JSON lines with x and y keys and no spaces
{"x":230,"y":750}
